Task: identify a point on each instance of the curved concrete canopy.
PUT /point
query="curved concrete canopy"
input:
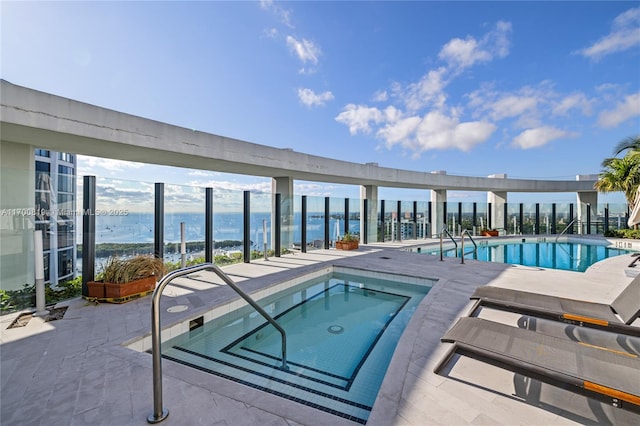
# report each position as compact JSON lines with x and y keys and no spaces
{"x":60,"y":124}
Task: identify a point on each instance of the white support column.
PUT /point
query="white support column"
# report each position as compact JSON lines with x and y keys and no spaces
{"x":497,"y":199}
{"x":438,"y":198}
{"x":17,"y":184}
{"x":369,"y":192}
{"x":582,"y":200}
{"x":283,"y":186}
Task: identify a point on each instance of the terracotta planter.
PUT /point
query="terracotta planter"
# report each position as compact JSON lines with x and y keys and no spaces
{"x":95,"y":289}
{"x":489,"y":233}
{"x":117,"y":291}
{"x":347,"y":245}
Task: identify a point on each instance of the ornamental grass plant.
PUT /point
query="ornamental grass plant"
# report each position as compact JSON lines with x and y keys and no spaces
{"x":120,"y":271}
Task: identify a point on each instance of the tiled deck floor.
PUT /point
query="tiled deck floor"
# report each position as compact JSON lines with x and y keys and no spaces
{"x":76,"y":371}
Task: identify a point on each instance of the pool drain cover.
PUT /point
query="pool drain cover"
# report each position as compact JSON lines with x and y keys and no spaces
{"x":335,"y":329}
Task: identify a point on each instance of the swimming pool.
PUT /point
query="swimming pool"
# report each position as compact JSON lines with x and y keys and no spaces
{"x":539,"y":252}
{"x":342,"y":330}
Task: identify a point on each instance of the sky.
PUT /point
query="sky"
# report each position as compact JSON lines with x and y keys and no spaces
{"x":530,"y":89}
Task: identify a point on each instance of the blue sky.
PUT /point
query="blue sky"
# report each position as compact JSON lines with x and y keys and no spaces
{"x":530,"y":89}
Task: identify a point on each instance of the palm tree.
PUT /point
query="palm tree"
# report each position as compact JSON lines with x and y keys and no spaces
{"x":632,"y":143}
{"x":621,"y":174}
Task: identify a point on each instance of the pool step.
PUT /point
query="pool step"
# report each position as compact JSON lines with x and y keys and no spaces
{"x":296,"y":383}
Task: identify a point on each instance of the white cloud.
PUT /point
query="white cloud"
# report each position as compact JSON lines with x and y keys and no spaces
{"x":624,"y":35}
{"x":425,"y":122}
{"x":380,"y":96}
{"x":460,"y":54}
{"x":91,"y":165}
{"x":306,"y":50}
{"x":310,"y":98}
{"x":573,"y":101}
{"x":629,"y":107}
{"x":435,"y":130}
{"x":533,"y":138}
{"x":429,"y":91}
{"x":283,"y":14}
{"x":358,"y":117}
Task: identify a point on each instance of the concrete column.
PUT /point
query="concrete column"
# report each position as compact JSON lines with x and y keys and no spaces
{"x":17,"y":204}
{"x":584,"y":198}
{"x":497,"y":199}
{"x":283,"y":186}
{"x":438,"y":198}
{"x":369,"y":192}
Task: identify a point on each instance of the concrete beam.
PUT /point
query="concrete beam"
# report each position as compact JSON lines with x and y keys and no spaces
{"x":56,"y":123}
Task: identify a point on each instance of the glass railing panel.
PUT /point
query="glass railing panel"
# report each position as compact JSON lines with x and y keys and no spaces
{"x":296,"y":227}
{"x":354,"y":215}
{"x":482,"y":216}
{"x":618,"y":216}
{"x":528,"y":225}
{"x":407,"y":225}
{"x":228,"y":208}
{"x":546,"y":218}
{"x":336,"y":220}
{"x":563,"y":217}
{"x":423,"y":227}
{"x":260,"y":221}
{"x":390,"y":221}
{"x":315,"y":223}
{"x":123,"y":218}
{"x":184,"y":205}
{"x":466,"y":221}
{"x":512,"y":225}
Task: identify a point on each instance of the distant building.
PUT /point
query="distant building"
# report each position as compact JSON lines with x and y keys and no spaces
{"x":55,"y":212}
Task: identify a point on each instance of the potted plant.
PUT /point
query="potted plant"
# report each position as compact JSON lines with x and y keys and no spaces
{"x":123,"y":278}
{"x":489,"y":232}
{"x":348,"y":242}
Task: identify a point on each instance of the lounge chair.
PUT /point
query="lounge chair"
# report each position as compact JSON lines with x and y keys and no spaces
{"x":617,"y":317}
{"x":599,"y":373}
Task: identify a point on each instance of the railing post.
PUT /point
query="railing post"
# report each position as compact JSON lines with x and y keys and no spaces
{"x":415,"y":220}
{"x":346,"y":215}
{"x":570,"y":231}
{"x":158,"y":221}
{"x":364,"y":216}
{"x":383,"y":226}
{"x":246,"y":227}
{"x":327,"y":222}
{"x":208,"y":225}
{"x":605,"y":228}
{"x":88,"y":232}
{"x":278,"y":225}
{"x":521,"y":219}
{"x":399,"y":220}
{"x":303,"y":229}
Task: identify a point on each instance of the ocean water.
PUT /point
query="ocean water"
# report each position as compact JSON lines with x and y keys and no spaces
{"x":139,"y":227}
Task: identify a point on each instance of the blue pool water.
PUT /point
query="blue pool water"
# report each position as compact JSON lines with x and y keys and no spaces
{"x":570,"y":256}
{"x":341,"y":329}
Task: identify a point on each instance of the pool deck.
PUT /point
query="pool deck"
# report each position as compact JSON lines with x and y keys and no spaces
{"x":78,"y":371}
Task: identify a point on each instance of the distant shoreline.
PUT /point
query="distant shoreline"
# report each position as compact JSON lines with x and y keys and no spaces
{"x":104,"y":250}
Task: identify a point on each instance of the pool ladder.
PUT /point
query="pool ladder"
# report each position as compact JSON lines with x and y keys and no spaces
{"x":466,"y":231}
{"x":160,"y":413}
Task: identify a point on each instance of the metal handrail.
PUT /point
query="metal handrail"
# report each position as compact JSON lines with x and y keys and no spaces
{"x":444,"y":230}
{"x":160,"y":413}
{"x":566,"y":228}
{"x":466,"y":231}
